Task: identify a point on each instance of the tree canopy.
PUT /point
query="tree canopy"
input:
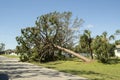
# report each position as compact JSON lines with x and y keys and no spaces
{"x":55,"y":34}
{"x":2,"y":47}
{"x":52,"y":31}
{"x":102,"y":47}
{"x":86,"y":41}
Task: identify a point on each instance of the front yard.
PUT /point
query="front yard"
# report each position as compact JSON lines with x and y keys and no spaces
{"x":93,"y":70}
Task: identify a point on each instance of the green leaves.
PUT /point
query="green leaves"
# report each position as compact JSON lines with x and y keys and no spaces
{"x":2,"y":47}
{"x":52,"y":28}
{"x":117,"y":32}
{"x":86,"y":41}
{"x":101,"y":47}
{"x":117,"y":42}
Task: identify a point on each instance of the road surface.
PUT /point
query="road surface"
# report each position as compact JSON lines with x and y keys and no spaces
{"x":12,"y":69}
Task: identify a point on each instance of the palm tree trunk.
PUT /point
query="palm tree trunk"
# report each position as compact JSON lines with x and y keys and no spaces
{"x":73,"y":53}
{"x":91,"y":54}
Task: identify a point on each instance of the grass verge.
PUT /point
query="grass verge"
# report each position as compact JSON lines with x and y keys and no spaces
{"x":10,"y":56}
{"x":92,"y":71}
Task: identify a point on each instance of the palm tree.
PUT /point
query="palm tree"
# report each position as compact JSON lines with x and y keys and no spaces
{"x":117,"y":32}
{"x":117,"y":42}
{"x":104,"y":37}
{"x":86,"y":40}
{"x":101,"y":46}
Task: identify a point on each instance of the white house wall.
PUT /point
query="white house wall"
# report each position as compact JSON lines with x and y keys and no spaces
{"x":117,"y":53}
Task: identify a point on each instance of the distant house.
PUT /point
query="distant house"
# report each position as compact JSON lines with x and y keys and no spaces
{"x":117,"y":51}
{"x":9,"y":51}
{"x":2,"y":52}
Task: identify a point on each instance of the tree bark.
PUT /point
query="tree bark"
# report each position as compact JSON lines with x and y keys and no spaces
{"x":91,"y":52}
{"x":73,"y":53}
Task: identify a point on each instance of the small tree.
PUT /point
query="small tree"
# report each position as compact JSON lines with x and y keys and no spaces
{"x":101,"y":47}
{"x":2,"y":47}
{"x":117,"y":42}
{"x":117,"y":32}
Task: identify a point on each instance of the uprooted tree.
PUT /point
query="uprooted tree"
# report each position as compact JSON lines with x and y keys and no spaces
{"x":53,"y":33}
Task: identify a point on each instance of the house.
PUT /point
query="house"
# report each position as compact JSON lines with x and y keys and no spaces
{"x":9,"y":51}
{"x":2,"y":52}
{"x":117,"y":51}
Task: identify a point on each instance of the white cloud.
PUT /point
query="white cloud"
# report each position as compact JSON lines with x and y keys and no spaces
{"x":90,"y":26}
{"x":75,"y":29}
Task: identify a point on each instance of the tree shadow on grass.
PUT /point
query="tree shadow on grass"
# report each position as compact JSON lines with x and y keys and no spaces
{"x":113,"y":61}
{"x":82,"y":72}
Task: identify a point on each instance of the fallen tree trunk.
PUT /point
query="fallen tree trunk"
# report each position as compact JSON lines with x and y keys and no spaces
{"x":73,"y":53}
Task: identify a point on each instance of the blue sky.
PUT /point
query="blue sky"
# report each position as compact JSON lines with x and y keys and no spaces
{"x":99,"y":15}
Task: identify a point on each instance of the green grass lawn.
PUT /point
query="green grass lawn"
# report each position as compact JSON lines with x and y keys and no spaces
{"x":10,"y":56}
{"x":92,"y":71}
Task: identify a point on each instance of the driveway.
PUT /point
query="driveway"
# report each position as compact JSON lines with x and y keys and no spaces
{"x":12,"y":69}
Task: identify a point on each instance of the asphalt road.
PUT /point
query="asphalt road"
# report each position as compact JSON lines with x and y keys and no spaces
{"x":12,"y":69}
